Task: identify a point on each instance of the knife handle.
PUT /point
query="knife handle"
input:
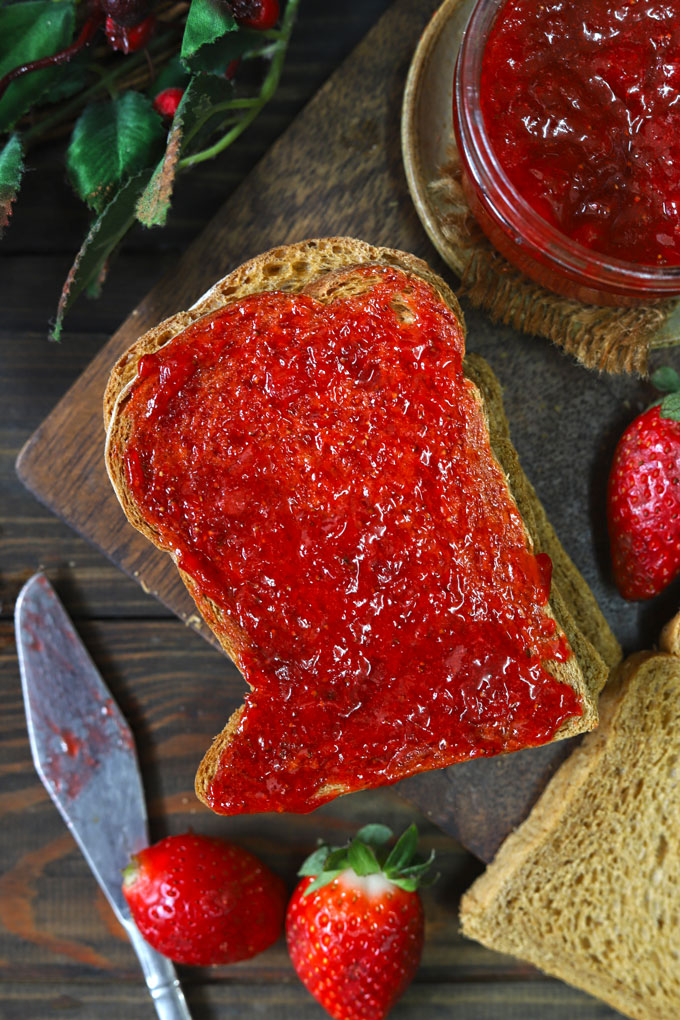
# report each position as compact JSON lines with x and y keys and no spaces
{"x":170,"y":1002}
{"x":161,"y":978}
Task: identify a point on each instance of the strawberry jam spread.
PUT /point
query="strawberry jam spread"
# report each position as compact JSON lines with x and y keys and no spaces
{"x":581,"y":102}
{"x":324,"y":474}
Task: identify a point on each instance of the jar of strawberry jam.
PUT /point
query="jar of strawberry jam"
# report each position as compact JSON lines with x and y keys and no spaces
{"x":567,"y":118}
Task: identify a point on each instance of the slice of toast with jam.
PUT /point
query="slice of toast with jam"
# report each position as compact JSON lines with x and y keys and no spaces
{"x":337,"y":486}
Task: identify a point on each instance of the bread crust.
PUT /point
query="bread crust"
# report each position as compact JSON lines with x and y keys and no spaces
{"x":323,"y":268}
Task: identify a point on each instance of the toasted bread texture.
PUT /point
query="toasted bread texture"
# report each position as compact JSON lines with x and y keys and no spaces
{"x":572,"y":601}
{"x":326,"y":270}
{"x":588,"y":887}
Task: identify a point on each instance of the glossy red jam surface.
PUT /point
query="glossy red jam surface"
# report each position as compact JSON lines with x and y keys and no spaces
{"x":581,"y":103}
{"x":325,"y":475}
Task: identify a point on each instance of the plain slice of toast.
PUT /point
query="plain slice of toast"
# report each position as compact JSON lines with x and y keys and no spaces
{"x":588,"y":887}
{"x":324,"y":270}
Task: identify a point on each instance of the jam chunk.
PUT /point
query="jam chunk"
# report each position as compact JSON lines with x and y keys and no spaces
{"x":323,"y":472}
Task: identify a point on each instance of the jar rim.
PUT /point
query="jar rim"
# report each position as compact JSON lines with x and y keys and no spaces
{"x":506,"y":205}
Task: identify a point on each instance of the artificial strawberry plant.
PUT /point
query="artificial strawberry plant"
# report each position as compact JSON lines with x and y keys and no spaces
{"x":144,"y":91}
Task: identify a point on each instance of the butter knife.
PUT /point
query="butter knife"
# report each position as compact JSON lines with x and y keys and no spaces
{"x":84,"y":752}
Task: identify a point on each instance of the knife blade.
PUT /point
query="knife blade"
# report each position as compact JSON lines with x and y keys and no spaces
{"x":84,"y":752}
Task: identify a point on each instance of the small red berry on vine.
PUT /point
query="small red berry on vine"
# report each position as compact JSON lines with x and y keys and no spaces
{"x":129,"y":38}
{"x":259,"y":14}
{"x":167,"y":101}
{"x":643,"y":500}
{"x":204,"y":901}
{"x":355,"y":925}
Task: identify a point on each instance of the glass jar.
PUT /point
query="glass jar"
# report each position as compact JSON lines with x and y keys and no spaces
{"x":516,"y":230}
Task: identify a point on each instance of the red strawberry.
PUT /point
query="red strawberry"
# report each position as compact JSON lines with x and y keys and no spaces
{"x":643,"y":504}
{"x":355,"y":923}
{"x":202,"y":901}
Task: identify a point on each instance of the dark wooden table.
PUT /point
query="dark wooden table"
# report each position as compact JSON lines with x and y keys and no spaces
{"x":61,"y":953}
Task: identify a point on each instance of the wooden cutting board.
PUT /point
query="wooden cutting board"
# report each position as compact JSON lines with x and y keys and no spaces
{"x":336,"y":170}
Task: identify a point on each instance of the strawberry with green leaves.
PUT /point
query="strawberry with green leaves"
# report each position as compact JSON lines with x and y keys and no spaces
{"x":643,"y":502}
{"x":355,"y":923}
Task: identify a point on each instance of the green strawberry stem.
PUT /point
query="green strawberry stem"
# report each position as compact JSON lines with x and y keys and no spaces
{"x":370,"y":853}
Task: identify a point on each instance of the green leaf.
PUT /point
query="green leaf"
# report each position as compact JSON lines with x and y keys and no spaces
{"x":73,"y":77}
{"x":418,"y":869}
{"x":207,"y":21}
{"x":407,"y":884}
{"x":216,"y":115}
{"x":214,"y":57}
{"x":29,"y":31}
{"x":11,"y":169}
{"x":111,"y":141}
{"x":198,"y":106}
{"x":105,"y":233}
{"x":314,"y":864}
{"x":154,"y":202}
{"x":410,"y":884}
{"x":324,"y":879}
{"x":362,"y":858}
{"x":377,"y":836}
{"x":666,"y":379}
{"x":670,"y":407}
{"x":337,"y":858}
{"x":403,"y":850}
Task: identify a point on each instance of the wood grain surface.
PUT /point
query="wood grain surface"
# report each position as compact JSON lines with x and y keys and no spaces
{"x":61,"y":954}
{"x":471,"y":1001}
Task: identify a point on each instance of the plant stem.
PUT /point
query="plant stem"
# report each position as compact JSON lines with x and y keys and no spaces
{"x":224,"y":142}
{"x":63,"y":57}
{"x":256,"y":105}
